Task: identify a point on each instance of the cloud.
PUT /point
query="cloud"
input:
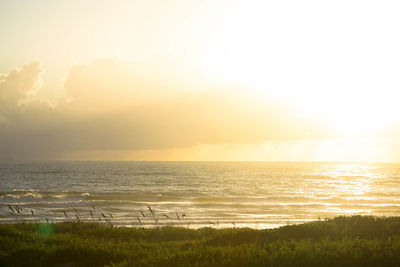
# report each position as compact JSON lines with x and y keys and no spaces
{"x":110,"y":82}
{"x":119,"y":105}
{"x":19,"y":83}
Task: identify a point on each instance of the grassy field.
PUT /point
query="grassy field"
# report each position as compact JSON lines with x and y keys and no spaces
{"x":341,"y":241}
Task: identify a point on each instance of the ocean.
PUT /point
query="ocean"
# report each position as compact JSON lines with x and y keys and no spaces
{"x":195,"y":194}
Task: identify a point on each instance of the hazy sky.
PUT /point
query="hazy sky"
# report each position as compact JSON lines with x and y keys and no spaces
{"x":200,"y":80}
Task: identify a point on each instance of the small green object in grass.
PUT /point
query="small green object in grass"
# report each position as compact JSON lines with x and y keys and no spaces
{"x":46,"y":229}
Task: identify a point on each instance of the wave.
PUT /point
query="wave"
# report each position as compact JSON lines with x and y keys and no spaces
{"x":32,"y":195}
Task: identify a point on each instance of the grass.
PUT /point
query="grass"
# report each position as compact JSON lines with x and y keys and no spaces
{"x":341,"y":241}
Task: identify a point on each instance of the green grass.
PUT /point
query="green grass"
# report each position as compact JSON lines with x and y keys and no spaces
{"x":341,"y":241}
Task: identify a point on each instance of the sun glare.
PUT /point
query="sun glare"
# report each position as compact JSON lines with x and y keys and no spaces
{"x":340,"y":83}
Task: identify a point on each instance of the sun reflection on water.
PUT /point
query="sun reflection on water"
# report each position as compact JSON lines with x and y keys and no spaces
{"x":351,"y":179}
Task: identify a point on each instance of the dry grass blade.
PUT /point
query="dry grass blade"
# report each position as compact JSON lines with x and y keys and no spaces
{"x":18,"y":208}
{"x":151,"y":211}
{"x":12,"y":210}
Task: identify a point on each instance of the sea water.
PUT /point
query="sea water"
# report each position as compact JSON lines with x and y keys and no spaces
{"x":195,"y":194}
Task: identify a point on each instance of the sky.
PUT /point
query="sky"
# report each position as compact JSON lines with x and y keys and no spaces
{"x":200,"y":80}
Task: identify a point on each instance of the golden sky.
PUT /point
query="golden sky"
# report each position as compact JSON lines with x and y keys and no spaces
{"x":200,"y":80}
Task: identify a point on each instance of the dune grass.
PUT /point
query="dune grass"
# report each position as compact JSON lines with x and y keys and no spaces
{"x":341,"y":241}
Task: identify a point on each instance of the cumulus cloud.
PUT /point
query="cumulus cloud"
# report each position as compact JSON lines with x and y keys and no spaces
{"x":120,"y":105}
{"x":20,"y":82}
